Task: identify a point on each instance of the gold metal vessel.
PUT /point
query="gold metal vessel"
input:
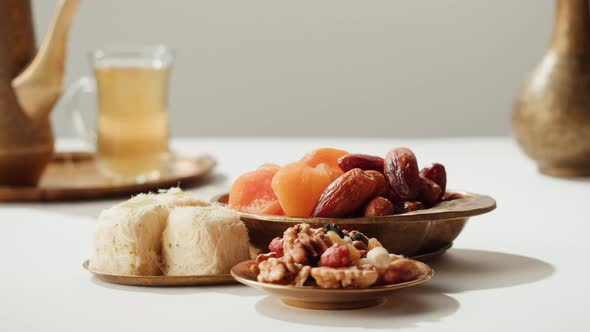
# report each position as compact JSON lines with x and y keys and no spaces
{"x":410,"y":234}
{"x":551,"y":117}
{"x":326,"y":299}
{"x":30,"y":85}
{"x":162,"y":281}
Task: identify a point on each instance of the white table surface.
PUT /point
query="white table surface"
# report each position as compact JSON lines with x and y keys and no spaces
{"x":521,"y":267}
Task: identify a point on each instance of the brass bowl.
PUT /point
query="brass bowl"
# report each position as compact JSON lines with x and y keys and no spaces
{"x":309,"y":297}
{"x":408,"y":234}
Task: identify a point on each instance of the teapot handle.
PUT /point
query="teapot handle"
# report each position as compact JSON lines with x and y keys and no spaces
{"x":72,"y":97}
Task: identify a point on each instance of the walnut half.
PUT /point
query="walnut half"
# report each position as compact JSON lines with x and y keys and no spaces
{"x":272,"y":270}
{"x":400,"y":270}
{"x":351,"y":277}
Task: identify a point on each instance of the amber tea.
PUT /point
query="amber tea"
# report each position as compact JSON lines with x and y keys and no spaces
{"x":131,"y":84}
{"x":132,"y":130}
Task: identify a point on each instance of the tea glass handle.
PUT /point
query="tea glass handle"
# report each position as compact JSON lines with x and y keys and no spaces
{"x":84,"y":85}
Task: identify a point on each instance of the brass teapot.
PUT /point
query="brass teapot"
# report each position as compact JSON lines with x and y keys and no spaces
{"x":30,"y":85}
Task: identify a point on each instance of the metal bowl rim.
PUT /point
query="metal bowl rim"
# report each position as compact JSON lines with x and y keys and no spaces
{"x":485,"y":205}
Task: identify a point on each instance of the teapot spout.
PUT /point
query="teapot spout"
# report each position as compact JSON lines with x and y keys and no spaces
{"x":39,"y":86}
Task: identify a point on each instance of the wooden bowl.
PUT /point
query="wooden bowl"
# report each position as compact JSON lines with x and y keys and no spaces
{"x":309,"y":297}
{"x":408,"y":234}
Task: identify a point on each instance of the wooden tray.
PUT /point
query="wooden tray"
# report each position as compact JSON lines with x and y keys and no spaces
{"x":75,"y":176}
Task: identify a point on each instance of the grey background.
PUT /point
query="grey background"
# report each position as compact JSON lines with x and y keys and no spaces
{"x":326,"y":67}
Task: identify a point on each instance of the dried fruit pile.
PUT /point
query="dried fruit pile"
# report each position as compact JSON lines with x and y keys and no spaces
{"x":331,"y":258}
{"x":332,"y":183}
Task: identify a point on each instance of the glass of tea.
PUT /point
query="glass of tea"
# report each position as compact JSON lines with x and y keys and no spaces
{"x":131,"y":88}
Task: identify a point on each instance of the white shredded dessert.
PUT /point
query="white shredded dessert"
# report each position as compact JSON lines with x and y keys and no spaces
{"x":128,"y":236}
{"x":203,"y":240}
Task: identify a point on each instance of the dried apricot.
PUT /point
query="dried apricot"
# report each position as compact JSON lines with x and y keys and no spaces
{"x":334,"y":172}
{"x":299,"y":186}
{"x":252,"y":193}
{"x":327,"y":156}
{"x":270,"y":167}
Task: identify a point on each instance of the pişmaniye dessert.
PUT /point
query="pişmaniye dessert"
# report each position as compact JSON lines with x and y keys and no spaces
{"x":203,"y":240}
{"x":169,"y":233}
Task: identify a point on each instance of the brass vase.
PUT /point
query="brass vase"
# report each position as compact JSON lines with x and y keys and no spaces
{"x":551,"y":117}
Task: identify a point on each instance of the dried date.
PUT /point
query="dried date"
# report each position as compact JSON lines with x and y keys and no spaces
{"x":392,"y":196}
{"x":379,"y":206}
{"x":437,"y":173}
{"x":345,"y":195}
{"x":408,"y":207}
{"x":449,"y":196}
{"x":429,"y":193}
{"x":382,"y":188}
{"x":362,"y":161}
{"x":401,"y":170}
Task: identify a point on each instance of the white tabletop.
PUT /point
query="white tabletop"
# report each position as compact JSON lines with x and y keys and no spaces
{"x":522,"y":266}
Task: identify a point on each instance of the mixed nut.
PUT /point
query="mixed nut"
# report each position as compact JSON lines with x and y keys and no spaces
{"x":330,"y":257}
{"x":332,"y":183}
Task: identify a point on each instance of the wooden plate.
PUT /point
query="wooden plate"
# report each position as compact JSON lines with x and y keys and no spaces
{"x":163,"y":281}
{"x":410,"y":234}
{"x":75,"y":176}
{"x":471,"y":204}
{"x":326,"y":299}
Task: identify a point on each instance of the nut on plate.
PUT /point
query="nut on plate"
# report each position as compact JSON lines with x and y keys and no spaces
{"x":353,"y":277}
{"x":330,"y":257}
